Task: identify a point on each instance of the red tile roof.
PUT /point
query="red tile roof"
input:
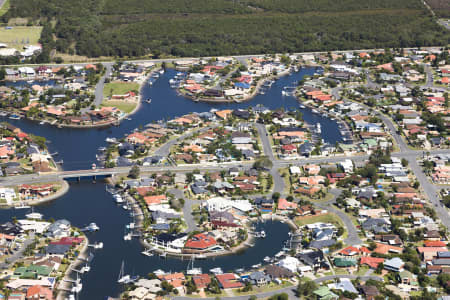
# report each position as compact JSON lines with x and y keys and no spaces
{"x":201,"y":281}
{"x":200,"y":241}
{"x":228,"y":281}
{"x":371,"y":261}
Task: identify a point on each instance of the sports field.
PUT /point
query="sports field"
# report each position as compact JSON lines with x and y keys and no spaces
{"x":20,"y":36}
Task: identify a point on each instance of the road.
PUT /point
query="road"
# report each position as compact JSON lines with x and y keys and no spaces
{"x":352,"y":238}
{"x":18,"y":254}
{"x":187,"y":209}
{"x":101,"y":84}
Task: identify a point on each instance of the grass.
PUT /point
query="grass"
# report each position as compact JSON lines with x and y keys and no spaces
{"x":119,"y":88}
{"x":5,"y":8}
{"x":20,"y":36}
{"x":326,"y":218}
{"x":126,"y":107}
{"x":362,"y":270}
{"x":267,"y":288}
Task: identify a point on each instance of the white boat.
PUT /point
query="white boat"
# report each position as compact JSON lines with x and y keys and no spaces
{"x":161,"y":71}
{"x":118,"y":199}
{"x":98,"y":246}
{"x":266,"y":259}
{"x":111,"y":140}
{"x":147,"y":252}
{"x":283,"y":93}
{"x":14,"y":117}
{"x":86,"y":269}
{"x":127,"y":237}
{"x":42,"y":123}
{"x":123,"y":278}
{"x":256,"y":266}
{"x":159,"y":272}
{"x":148,"y":100}
{"x":77,"y":288}
{"x":263,"y":234}
{"x":21,"y":206}
{"x":318,"y":128}
{"x":200,"y":256}
{"x":126,"y":207}
{"x":131,"y":225}
{"x":91,"y":228}
{"x":191,"y":270}
{"x":301,"y":106}
{"x":216,"y":271}
{"x":163,"y":255}
{"x":71,"y":297}
{"x":34,"y":216}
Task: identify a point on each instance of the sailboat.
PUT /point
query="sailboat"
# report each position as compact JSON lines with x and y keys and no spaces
{"x":191,"y":270}
{"x":123,"y":278}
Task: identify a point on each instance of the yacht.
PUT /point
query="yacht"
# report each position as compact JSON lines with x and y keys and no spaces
{"x":123,"y":278}
{"x":191,"y":270}
{"x":318,"y":128}
{"x":34,"y":215}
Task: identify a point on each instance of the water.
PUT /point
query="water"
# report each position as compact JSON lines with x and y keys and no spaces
{"x":86,"y":202}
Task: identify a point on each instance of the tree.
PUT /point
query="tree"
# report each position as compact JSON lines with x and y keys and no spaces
{"x":306,"y":288}
{"x":263,"y":163}
{"x":134,"y":172}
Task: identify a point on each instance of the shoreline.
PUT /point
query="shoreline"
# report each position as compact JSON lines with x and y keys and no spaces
{"x":245,"y":99}
{"x":61,"y":192}
{"x":77,"y":262}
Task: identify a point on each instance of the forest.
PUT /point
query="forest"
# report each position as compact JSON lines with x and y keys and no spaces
{"x":132,"y":28}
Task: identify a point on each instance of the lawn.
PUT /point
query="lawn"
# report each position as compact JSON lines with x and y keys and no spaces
{"x":126,"y":107}
{"x":20,"y":36}
{"x":362,"y":270}
{"x":119,"y":88}
{"x":326,"y":218}
{"x":264,"y":289}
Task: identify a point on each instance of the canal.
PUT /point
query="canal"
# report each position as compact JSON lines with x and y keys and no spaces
{"x":87,"y":202}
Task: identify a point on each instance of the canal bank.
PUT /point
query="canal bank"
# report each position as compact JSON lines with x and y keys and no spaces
{"x":87,"y":202}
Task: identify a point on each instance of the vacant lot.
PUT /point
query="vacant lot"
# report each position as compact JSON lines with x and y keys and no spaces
{"x":124,"y":106}
{"x":326,"y":218}
{"x":119,"y":88}
{"x":20,"y":36}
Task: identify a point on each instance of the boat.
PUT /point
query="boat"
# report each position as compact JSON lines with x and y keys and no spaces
{"x":191,"y":270}
{"x":97,"y":245}
{"x":200,"y":256}
{"x":148,"y":100}
{"x":42,"y":123}
{"x":126,"y":207}
{"x":163,"y":255}
{"x":240,"y":270}
{"x":318,"y":128}
{"x":130,"y":226}
{"x":123,"y":278}
{"x":77,"y":287}
{"x":161,"y":71}
{"x":21,"y":206}
{"x":118,"y":198}
{"x":86,"y":269}
{"x":262,"y":234}
{"x":267,"y":259}
{"x":127,"y":237}
{"x":14,"y":117}
{"x":314,"y":111}
{"x":34,"y":215}
{"x":159,"y":272}
{"x":216,"y":271}
{"x":256,"y":266}
{"x":302,"y":106}
{"x":91,"y":228}
{"x":71,"y":297}
{"x":111,"y":140}
{"x":102,"y":149}
{"x":147,"y":252}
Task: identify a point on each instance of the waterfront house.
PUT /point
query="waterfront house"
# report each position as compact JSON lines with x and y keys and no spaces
{"x":259,"y":278}
{"x":201,"y":281}
{"x":200,"y":242}
{"x":229,"y":281}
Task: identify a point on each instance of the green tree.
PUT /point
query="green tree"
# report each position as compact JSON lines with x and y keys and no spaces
{"x":134,"y":172}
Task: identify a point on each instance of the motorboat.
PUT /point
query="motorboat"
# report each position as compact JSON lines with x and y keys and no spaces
{"x":318,"y":128}
{"x":21,"y":206}
{"x":111,"y":140}
{"x":14,"y":117}
{"x":127,"y":237}
{"x":216,"y":271}
{"x":267,"y":259}
{"x":147,"y":252}
{"x":302,"y":106}
{"x":91,"y":228}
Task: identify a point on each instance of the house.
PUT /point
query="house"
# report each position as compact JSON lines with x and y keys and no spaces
{"x":324,"y":293}
{"x":386,"y":249}
{"x":39,"y":292}
{"x":372,"y":262}
{"x":276,"y":272}
{"x":286,"y":206}
{"x":259,"y":278}
{"x":369,"y":291}
{"x":229,"y":281}
{"x":200,"y":242}
{"x":201,"y":281}
{"x":395,"y":264}
{"x":315,"y":259}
